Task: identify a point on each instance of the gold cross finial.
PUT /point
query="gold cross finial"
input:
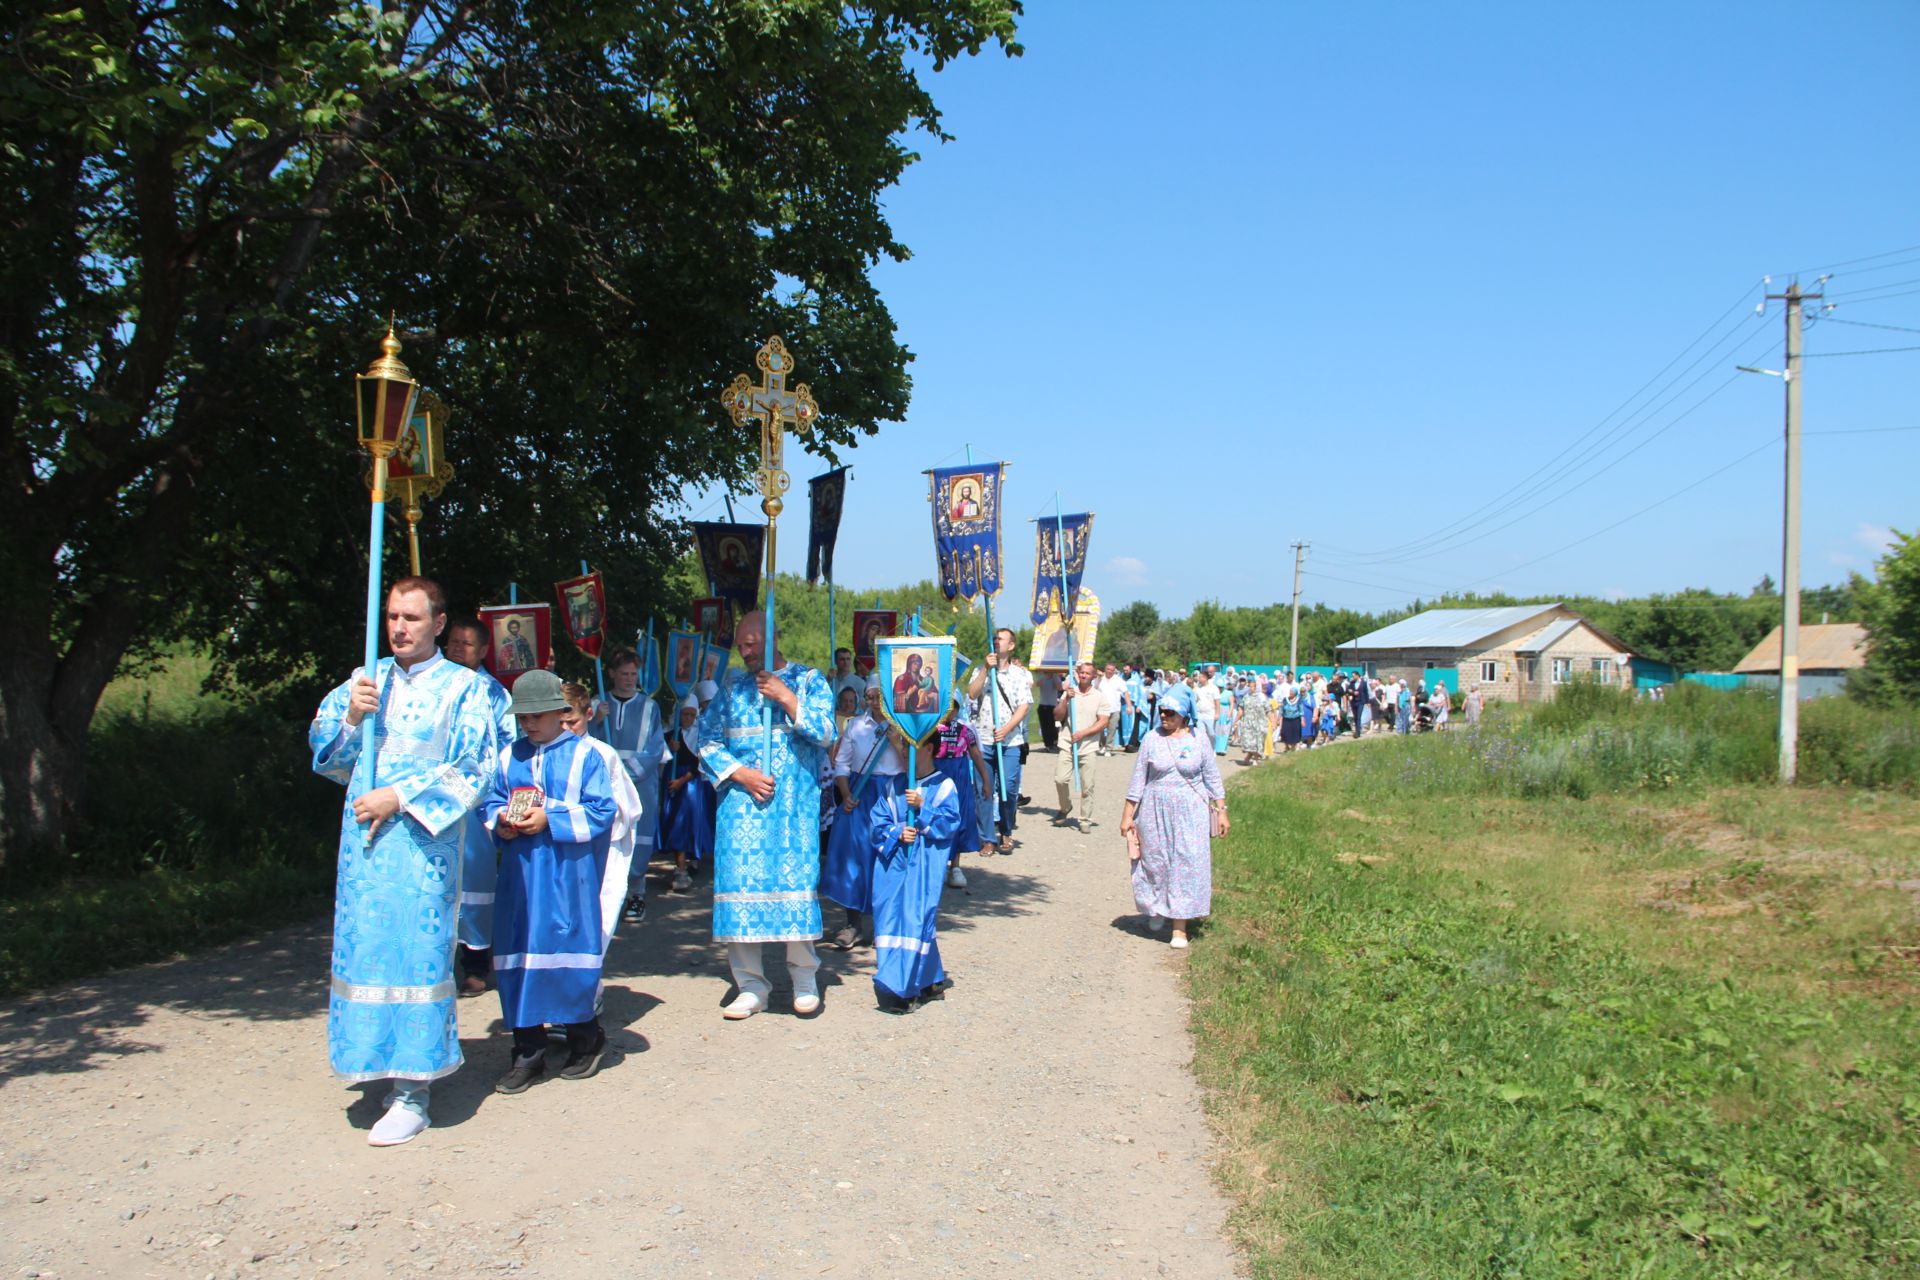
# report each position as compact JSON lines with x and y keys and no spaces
{"x":776,"y":407}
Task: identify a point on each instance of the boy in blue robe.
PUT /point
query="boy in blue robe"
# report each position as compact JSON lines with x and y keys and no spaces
{"x":912,"y":835}
{"x":548,"y":932}
{"x":629,"y":722}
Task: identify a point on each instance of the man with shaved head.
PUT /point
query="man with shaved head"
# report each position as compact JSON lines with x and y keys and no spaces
{"x":766,"y":861}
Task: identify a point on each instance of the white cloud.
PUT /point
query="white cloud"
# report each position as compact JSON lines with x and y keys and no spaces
{"x":1128,"y":571}
{"x":1875,"y":538}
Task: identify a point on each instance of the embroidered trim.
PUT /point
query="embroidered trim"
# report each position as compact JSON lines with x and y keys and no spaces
{"x":796,"y":895}
{"x":368,"y":993}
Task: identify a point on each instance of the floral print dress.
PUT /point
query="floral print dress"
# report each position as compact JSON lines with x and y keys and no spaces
{"x":1174,"y":778}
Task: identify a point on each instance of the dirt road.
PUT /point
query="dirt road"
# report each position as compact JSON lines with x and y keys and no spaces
{"x":179,"y":1120}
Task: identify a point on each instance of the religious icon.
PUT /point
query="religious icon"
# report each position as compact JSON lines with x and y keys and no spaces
{"x":521,"y":802}
{"x":733,"y":558}
{"x":1050,"y":648}
{"x":713,"y":618}
{"x":869,"y":626}
{"x":966,"y":497}
{"x":583,"y":606}
{"x":916,"y":676}
{"x":521,"y":639}
{"x":713,"y":662}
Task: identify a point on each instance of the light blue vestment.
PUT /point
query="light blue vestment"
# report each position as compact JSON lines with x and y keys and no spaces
{"x":766,"y":860}
{"x":632,"y":728}
{"x":906,"y":886}
{"x":480,"y":870}
{"x":391,"y":1010}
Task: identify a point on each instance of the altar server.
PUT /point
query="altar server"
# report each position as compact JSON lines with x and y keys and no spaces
{"x":627,"y":805}
{"x":767,"y":842}
{"x":548,"y":935}
{"x":467,"y":644}
{"x":866,"y":770}
{"x":390,"y":1012}
{"x":912,"y":836}
{"x":629,"y":722}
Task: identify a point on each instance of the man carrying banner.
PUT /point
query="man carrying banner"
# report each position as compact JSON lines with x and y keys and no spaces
{"x":390,"y":1015}
{"x":1000,"y":711}
{"x":1082,"y":713}
{"x":767,"y":840}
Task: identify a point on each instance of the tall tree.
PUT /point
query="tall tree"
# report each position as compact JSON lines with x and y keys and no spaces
{"x":1893,"y":624}
{"x":586,"y":214}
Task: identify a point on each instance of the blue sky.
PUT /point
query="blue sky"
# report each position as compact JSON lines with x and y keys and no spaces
{"x":1232,"y":275}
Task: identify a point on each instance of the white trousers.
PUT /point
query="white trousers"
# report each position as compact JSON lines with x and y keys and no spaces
{"x":750,"y":974}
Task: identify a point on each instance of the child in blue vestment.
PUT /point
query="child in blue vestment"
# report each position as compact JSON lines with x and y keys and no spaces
{"x":913,"y":835}
{"x":548,"y":932}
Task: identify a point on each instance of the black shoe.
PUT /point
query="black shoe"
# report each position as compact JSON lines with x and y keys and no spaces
{"x":937,"y":991}
{"x":1026,"y":800}
{"x":890,"y":1003}
{"x":636,"y":910}
{"x":582,"y":1064}
{"x":521,"y":1075}
{"x":845,"y":940}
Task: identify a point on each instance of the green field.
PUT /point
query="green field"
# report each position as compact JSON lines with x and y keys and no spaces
{"x":1569,"y":997}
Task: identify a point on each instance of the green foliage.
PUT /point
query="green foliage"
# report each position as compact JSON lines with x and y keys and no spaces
{"x":587,"y":217}
{"x":1892,"y":616}
{"x":1430,"y":1074}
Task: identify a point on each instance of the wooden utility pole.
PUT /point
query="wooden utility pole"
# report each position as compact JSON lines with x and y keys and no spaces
{"x":1293,"y":637}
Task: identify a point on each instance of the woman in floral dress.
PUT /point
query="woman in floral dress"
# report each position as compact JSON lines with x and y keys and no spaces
{"x":1165,"y":822}
{"x":1251,"y":729}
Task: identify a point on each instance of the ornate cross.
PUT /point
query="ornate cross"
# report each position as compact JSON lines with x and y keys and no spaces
{"x":776,"y":407}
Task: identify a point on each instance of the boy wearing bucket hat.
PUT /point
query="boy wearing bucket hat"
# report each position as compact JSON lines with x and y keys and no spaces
{"x":552,"y":810}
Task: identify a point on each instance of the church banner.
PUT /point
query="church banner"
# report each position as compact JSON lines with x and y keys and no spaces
{"x":1056,"y":579}
{"x":730,"y":556}
{"x":683,"y":662}
{"x":713,"y":618}
{"x":916,"y":682}
{"x":868,"y":626}
{"x":521,"y":636}
{"x":826,"y":494}
{"x":966,"y":527}
{"x":583,"y":607}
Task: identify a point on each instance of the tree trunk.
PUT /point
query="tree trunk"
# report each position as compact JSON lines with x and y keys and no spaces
{"x":43,"y":763}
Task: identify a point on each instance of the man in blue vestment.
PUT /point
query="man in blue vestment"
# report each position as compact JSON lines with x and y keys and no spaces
{"x":390,"y":1015}
{"x":766,"y":859}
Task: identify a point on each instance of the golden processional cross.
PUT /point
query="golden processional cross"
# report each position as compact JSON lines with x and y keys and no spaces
{"x":775,"y":406}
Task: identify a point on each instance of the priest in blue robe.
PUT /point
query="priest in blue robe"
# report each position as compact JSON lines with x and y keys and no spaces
{"x":390,"y":1014}
{"x":766,"y":872}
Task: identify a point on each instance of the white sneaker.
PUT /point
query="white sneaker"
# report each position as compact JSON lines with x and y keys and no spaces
{"x":806,"y":1003}
{"x":400,"y":1124}
{"x":1179,"y":942}
{"x":956,"y":878}
{"x":744,"y":1005}
{"x":1156,"y":923}
{"x":682,"y":882}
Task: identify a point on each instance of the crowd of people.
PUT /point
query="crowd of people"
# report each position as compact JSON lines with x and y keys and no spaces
{"x":499,"y":838}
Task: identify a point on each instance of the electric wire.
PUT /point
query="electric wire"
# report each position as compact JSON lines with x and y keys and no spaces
{"x":1871,"y":351}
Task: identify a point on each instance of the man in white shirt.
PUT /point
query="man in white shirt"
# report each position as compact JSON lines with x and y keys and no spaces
{"x":1206,"y":706}
{"x":1001,"y":702}
{"x":1113,"y":687}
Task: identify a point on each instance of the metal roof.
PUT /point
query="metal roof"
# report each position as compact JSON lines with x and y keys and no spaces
{"x":1545,"y":638}
{"x":1448,"y":628}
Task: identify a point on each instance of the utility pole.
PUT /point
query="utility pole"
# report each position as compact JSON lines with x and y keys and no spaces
{"x":1293,"y":637}
{"x":1790,"y":546}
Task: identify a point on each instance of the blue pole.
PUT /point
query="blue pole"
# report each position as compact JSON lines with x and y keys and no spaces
{"x":833,"y":636}
{"x":513,"y":593}
{"x":650,"y":663}
{"x":376,"y":545}
{"x":1073,"y":661}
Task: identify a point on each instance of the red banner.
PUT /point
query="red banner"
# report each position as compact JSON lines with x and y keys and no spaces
{"x":870,"y":625}
{"x":520,"y":639}
{"x":583,"y":607}
{"x":713,"y":618}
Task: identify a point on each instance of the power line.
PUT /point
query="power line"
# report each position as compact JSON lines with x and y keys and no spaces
{"x":1868,"y":324}
{"x":1885,"y":297}
{"x":1833,"y":266}
{"x":1871,"y":351}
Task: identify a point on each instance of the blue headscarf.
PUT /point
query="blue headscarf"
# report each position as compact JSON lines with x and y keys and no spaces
{"x":1178,"y":699}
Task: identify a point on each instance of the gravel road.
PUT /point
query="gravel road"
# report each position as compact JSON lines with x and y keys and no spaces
{"x":179,"y":1120}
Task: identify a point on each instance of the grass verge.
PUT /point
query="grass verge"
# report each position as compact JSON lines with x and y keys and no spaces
{"x":1458,"y":1031}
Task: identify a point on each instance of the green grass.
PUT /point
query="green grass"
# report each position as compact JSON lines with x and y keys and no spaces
{"x":1459,"y":1026}
{"x":205,"y":825}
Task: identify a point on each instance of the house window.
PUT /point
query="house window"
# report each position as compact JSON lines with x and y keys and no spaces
{"x":1603,"y":669}
{"x":1489,"y":672}
{"x":1431,"y":665}
{"x":1562,"y":670}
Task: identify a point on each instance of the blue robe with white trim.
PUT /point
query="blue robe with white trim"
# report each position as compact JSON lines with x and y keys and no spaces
{"x":846,"y":876}
{"x":632,"y":728}
{"x":907,"y":880}
{"x":390,"y":1013}
{"x":480,"y":872}
{"x":548,"y":936}
{"x":766,"y":860}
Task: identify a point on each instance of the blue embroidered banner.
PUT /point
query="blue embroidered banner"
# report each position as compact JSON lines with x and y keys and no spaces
{"x":1051,"y":586}
{"x":825,"y":494}
{"x":916,"y":682}
{"x":683,"y":661}
{"x":966,"y":527}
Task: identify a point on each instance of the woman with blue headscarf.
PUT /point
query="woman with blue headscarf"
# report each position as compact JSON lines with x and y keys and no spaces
{"x":1167,"y":821}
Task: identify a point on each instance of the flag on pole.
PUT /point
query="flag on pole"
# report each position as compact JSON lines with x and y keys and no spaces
{"x":1055,"y":575}
{"x":825,"y":495}
{"x":583,"y":610}
{"x":730,"y":555}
